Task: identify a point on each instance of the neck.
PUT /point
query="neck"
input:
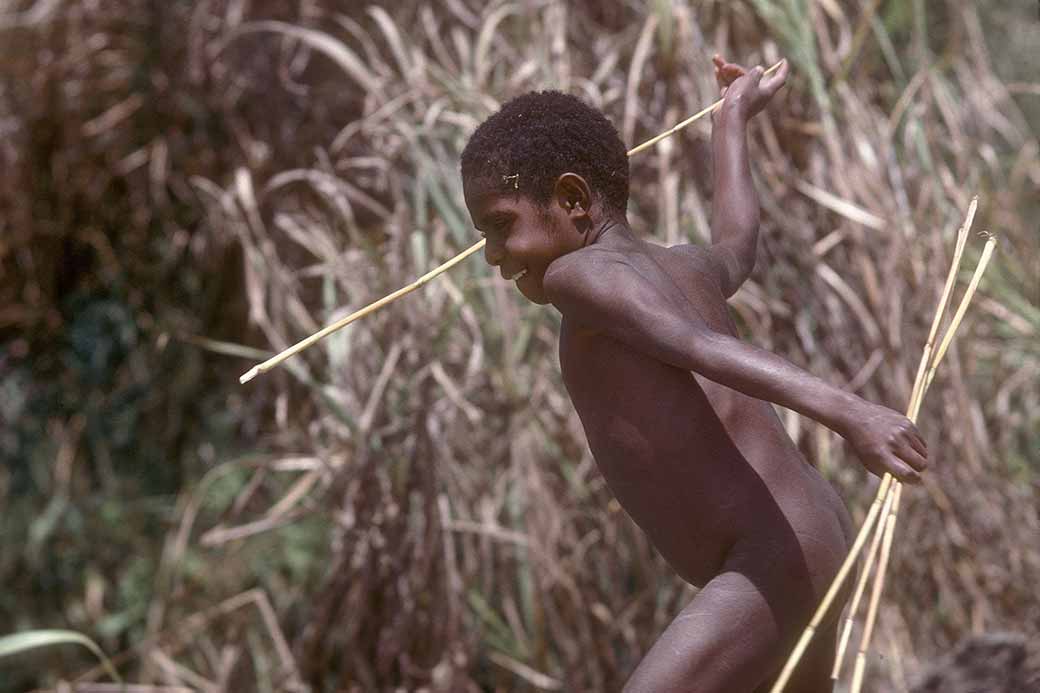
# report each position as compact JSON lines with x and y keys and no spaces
{"x":612,"y":225}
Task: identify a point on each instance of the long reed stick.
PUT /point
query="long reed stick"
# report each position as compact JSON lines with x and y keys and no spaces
{"x":987,"y":252}
{"x":913,"y":407}
{"x":920,"y":387}
{"x":951,"y":277}
{"x":832,"y":591}
{"x":876,"y":589}
{"x":372,"y":307}
{"x":696,"y":116}
{"x":861,"y":584}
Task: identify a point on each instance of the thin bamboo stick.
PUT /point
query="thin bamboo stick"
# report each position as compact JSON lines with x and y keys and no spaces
{"x":951,"y":277}
{"x":875,"y":594}
{"x":916,"y":395}
{"x":832,"y":591}
{"x":920,"y":387}
{"x":372,"y":307}
{"x":696,"y":116}
{"x":861,"y":584}
{"x":987,"y":251}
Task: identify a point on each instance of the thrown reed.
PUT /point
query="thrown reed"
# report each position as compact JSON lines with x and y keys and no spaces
{"x":376,"y":305}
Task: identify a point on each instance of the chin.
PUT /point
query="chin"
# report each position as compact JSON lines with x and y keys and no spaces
{"x":539,"y":297}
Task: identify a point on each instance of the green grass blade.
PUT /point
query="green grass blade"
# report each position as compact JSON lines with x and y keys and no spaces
{"x":31,"y":639}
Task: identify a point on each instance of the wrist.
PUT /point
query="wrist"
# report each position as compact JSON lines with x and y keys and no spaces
{"x":844,"y":410}
{"x":733,"y":111}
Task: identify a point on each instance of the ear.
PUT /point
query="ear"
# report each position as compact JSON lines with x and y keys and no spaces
{"x":571,"y":192}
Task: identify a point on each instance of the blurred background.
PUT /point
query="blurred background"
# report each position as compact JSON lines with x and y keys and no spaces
{"x":189,"y":187}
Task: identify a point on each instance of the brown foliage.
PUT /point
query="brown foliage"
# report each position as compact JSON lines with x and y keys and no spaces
{"x":422,"y":510}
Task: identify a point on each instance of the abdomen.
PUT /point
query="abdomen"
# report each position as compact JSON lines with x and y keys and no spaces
{"x":663,"y":451}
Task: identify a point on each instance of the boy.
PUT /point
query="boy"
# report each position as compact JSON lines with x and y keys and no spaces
{"x":674,"y":405}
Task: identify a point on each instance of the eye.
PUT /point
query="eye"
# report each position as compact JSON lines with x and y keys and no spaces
{"x":497,"y":225}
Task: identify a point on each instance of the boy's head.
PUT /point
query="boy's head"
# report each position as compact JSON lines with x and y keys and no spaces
{"x":537,"y":175}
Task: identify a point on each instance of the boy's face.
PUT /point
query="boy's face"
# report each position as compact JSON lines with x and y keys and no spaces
{"x":522,"y":236}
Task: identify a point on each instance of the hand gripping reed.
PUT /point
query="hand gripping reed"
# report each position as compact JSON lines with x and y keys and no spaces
{"x":889,"y":492}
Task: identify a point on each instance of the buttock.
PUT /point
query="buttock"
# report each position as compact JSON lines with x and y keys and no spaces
{"x":793,"y":569}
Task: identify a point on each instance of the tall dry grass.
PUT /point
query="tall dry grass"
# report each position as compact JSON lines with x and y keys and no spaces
{"x":420,"y":510}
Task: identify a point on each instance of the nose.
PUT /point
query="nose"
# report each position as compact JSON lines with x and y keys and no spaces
{"x":493,"y":254}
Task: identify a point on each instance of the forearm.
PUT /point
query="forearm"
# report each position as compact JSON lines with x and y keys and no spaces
{"x":735,"y":214}
{"x":764,"y":375}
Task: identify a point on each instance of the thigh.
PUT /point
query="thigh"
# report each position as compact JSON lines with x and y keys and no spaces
{"x":726,"y":639}
{"x":734,"y":637}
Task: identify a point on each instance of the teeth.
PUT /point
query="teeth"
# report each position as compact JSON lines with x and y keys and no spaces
{"x":520,"y":274}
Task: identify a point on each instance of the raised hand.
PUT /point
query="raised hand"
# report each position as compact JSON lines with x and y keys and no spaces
{"x":747,"y":90}
{"x":726,"y":73}
{"x":887,"y":441}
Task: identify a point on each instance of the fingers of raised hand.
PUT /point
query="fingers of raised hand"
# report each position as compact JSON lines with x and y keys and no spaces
{"x":726,"y":73}
{"x":776,"y":80}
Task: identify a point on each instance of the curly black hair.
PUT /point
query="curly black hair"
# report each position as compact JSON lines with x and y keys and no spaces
{"x":538,"y":136}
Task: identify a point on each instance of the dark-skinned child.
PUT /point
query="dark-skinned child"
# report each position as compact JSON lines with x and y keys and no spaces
{"x":675,"y":406}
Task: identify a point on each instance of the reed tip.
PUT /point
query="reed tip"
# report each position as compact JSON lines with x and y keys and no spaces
{"x":246,"y":377}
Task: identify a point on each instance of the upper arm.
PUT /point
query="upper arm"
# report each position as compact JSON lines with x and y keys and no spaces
{"x":720,"y":261}
{"x":615,"y":298}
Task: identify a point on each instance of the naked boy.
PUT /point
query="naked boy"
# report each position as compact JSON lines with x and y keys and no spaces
{"x":676,"y":407}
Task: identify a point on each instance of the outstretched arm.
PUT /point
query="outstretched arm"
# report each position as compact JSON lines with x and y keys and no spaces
{"x":735,"y":211}
{"x":614,"y":298}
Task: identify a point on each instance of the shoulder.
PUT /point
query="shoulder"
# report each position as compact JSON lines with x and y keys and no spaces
{"x":597,"y":286}
{"x":582,"y":271}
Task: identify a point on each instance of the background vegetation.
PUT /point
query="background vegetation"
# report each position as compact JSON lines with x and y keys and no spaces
{"x":188,"y":186}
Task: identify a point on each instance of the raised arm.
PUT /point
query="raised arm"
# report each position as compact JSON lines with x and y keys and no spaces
{"x":735,"y":211}
{"x":612,"y":297}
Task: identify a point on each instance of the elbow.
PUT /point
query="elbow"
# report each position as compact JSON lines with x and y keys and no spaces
{"x":746,"y":250}
{"x":748,"y":261}
{"x":741,"y":258}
